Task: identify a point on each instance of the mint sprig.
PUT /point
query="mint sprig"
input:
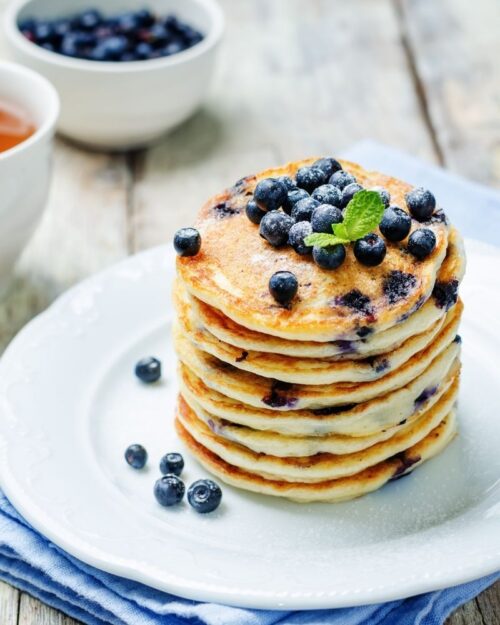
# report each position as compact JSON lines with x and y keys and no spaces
{"x":361,"y":216}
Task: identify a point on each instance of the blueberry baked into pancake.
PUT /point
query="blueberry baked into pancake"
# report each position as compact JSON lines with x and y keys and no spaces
{"x":317,"y":316}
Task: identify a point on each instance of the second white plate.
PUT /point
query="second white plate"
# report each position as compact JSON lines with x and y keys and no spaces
{"x":70,"y":405}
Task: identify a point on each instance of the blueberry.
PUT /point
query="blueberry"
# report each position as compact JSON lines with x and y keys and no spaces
{"x":61,"y":28}
{"x":349,"y":192}
{"x":324,"y":216}
{"x":187,"y":242}
{"x":341,"y":179}
{"x":283,"y":286}
{"x":294,"y":196}
{"x":144,"y":18}
{"x":90,"y":19}
{"x":370,"y":250}
{"x":111,"y":49}
{"x":126,"y":57}
{"x":172,"y":463}
{"x":385,"y":196}
{"x":270,"y":194}
{"x":173,"y":48}
{"x":158,"y":35}
{"x":298,"y":232}
{"x":204,"y":496}
{"x":303,"y":210}
{"x":422,"y":242}
{"x":143,"y":50}
{"x":421,"y":203}
{"x":169,"y":490}
{"x":148,"y":369}
{"x":395,"y":224}
{"x":253,"y":212}
{"x":69,"y":45}
{"x":328,"y":166}
{"x":329,"y":257}
{"x":136,"y":456}
{"x":309,"y":178}
{"x":288,"y":182}
{"x":275,"y":227}
{"x":327,"y":194}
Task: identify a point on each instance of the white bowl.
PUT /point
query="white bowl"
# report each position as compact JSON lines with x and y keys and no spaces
{"x":24,"y":169}
{"x":129,"y":104}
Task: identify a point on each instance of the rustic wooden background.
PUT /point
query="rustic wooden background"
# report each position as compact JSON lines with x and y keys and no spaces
{"x":296,"y":78}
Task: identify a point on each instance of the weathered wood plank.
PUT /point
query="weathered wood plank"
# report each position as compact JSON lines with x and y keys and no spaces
{"x":292,"y":83}
{"x":33,"y":612}
{"x":9,"y":602}
{"x":456,"y":47}
{"x":488,"y":603}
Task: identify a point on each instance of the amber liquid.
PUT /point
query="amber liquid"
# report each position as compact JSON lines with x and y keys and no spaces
{"x":15,"y":126}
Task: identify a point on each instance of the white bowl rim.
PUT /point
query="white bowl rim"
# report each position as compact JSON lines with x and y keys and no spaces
{"x":48,"y":125}
{"x":209,"y":41}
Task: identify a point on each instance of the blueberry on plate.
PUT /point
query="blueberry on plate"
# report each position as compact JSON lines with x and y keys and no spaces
{"x":283,"y":286}
{"x":172,"y":463}
{"x":309,"y":178}
{"x":385,"y":196}
{"x":349,"y":192}
{"x":370,"y":250}
{"x":148,"y":369}
{"x":341,"y":179}
{"x":327,"y":194}
{"x":329,"y":257}
{"x":294,"y":196}
{"x":187,"y":242}
{"x":275,"y":227}
{"x":136,"y":456}
{"x":328,"y":166}
{"x":422,"y":243}
{"x":324,"y":216}
{"x":421,"y":203}
{"x":395,"y":224}
{"x":169,"y":490}
{"x":270,"y":194}
{"x":288,"y":182}
{"x":303,"y":209}
{"x":298,"y":232}
{"x":204,"y":496}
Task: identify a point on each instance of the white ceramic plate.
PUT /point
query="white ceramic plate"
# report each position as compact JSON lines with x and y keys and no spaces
{"x":70,"y":405}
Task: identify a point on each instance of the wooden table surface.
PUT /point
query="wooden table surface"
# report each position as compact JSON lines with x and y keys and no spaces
{"x":296,"y":78}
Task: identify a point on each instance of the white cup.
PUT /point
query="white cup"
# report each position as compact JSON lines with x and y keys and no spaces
{"x":25,"y":168}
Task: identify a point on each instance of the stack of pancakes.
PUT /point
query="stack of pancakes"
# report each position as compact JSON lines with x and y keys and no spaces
{"x":352,"y":385}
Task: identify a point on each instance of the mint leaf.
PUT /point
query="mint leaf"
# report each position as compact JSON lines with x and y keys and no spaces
{"x":322,"y":239}
{"x":340,"y":231}
{"x":362,"y":215}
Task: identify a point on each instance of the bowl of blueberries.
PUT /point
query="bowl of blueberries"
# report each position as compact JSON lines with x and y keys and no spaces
{"x":125,"y":73}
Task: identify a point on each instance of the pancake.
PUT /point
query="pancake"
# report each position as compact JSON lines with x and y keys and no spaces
{"x":232,"y":270}
{"x":277,"y":444}
{"x":301,"y":370}
{"x":368,"y":418}
{"x":228,"y":331}
{"x":258,"y":391}
{"x":330,"y":490}
{"x":321,"y":466}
